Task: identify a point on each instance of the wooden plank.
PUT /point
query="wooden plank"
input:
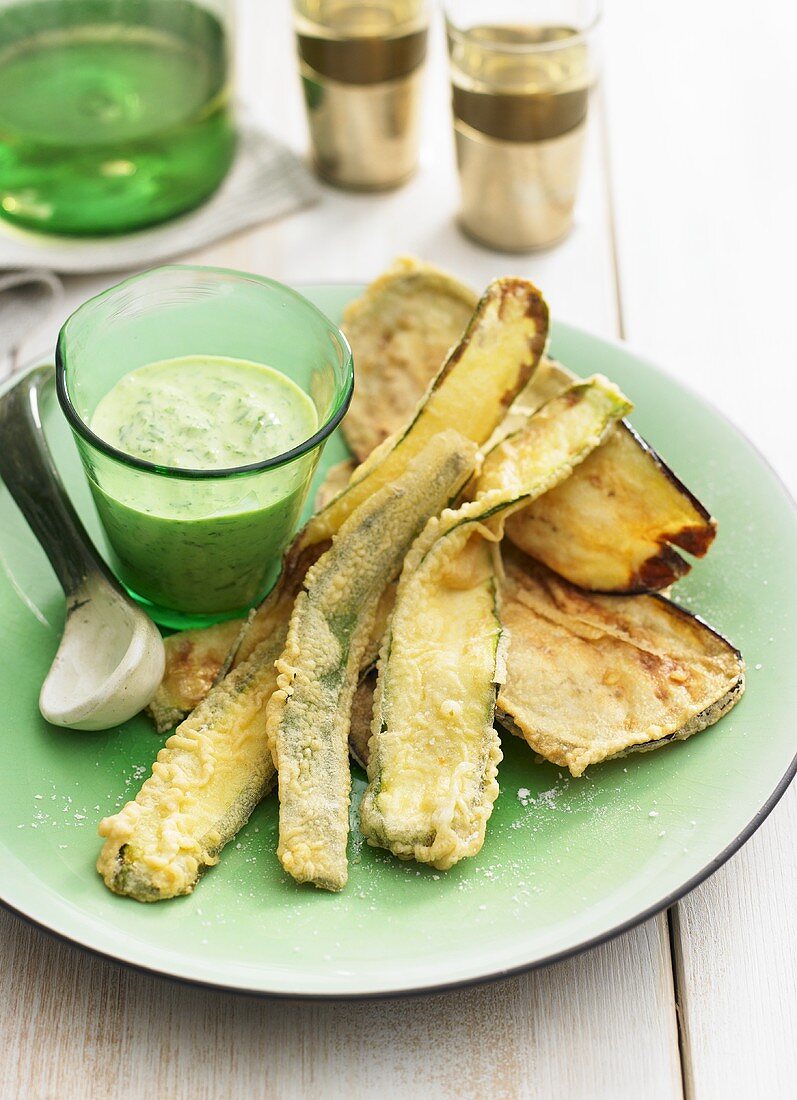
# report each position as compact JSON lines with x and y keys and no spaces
{"x":588,"y":1027}
{"x":599,"y":1025}
{"x":737,"y":970}
{"x":702,"y":167}
{"x":703,"y":196}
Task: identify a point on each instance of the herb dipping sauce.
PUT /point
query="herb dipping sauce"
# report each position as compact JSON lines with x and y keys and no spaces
{"x":203,"y":546}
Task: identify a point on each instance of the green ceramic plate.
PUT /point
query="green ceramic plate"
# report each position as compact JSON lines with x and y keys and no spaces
{"x":577,"y":861}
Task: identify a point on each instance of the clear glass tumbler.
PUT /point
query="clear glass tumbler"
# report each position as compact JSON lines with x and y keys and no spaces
{"x":361,"y":65}
{"x":114,"y":114}
{"x":521,"y":73}
{"x":197,"y":546}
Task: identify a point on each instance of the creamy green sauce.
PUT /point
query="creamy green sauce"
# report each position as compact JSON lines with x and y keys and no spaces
{"x":203,"y":547}
{"x":203,"y":412}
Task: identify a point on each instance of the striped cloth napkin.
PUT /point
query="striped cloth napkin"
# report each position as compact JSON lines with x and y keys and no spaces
{"x":266,"y":182}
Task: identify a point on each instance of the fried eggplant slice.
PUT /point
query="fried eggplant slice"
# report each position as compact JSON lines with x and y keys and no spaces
{"x":194,"y":659}
{"x":400,"y":331}
{"x":613,"y":526}
{"x":433,"y":755}
{"x":308,"y":716}
{"x":591,"y":677}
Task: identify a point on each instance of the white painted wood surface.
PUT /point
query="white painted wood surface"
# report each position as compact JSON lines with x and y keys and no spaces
{"x":603,"y":1025}
{"x":703,"y":166}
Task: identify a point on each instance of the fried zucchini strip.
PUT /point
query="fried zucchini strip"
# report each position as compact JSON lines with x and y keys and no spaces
{"x":206,"y":781}
{"x":592,"y":677}
{"x":308,"y":717}
{"x":433,"y":754}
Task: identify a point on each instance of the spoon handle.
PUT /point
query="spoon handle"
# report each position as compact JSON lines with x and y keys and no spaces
{"x":27,"y":468}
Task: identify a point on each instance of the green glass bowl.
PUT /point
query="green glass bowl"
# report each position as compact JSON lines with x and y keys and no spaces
{"x":197,"y":546}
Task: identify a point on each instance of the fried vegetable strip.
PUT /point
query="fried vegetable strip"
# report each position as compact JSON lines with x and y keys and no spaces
{"x":206,"y":781}
{"x":433,"y":754}
{"x":308,"y":717}
{"x":592,"y":677}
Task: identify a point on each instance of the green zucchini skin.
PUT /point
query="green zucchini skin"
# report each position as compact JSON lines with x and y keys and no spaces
{"x":331,"y":625}
{"x":433,"y":761}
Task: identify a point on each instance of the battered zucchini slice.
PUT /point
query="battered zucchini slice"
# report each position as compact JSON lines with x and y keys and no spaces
{"x":433,"y":754}
{"x":613,"y":526}
{"x":400,"y":331}
{"x":332,"y":622}
{"x":592,"y":677}
{"x":206,"y":781}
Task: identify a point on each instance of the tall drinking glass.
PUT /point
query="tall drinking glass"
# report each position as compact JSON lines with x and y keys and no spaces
{"x":521,"y":74}
{"x":114,"y":114}
{"x":361,"y":64}
{"x":198,"y":545}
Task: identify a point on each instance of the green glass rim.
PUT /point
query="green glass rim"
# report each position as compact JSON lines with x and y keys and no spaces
{"x":79,"y":425}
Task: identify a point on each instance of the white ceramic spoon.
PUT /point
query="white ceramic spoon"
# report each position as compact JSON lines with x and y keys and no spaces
{"x":111,"y":658}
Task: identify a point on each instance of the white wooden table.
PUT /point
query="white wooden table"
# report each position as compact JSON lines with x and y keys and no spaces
{"x":684,"y":245}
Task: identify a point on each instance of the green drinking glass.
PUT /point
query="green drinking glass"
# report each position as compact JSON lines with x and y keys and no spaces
{"x":114,"y":114}
{"x":196,"y":546}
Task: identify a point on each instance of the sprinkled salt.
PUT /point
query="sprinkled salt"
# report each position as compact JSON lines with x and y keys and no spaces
{"x":653,"y":813}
